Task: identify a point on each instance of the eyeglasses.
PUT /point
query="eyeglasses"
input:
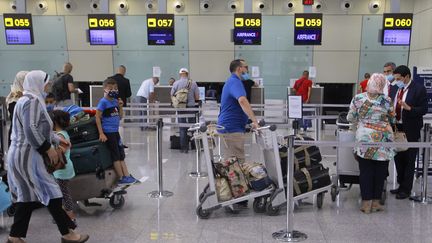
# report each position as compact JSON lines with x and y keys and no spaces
{"x":387,"y":71}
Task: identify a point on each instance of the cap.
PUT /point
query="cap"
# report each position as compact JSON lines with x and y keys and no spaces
{"x":183,"y":70}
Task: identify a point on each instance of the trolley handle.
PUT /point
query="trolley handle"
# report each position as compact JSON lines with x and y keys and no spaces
{"x":196,"y":127}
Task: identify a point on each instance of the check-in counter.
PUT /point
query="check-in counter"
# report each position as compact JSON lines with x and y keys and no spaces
{"x":257,"y":97}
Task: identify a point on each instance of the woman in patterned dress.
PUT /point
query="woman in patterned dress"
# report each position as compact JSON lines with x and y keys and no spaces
{"x":29,"y":181}
{"x":372,"y":112}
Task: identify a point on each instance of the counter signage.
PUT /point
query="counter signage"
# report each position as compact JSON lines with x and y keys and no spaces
{"x":160,"y":29}
{"x":397,"y":29}
{"x":102,"y":29}
{"x":18,"y":29}
{"x":247,"y":29}
{"x":423,"y":76}
{"x":308,"y":29}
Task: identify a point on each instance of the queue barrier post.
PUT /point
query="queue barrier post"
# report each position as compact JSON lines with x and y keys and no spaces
{"x":198,"y":173}
{"x":423,"y":197}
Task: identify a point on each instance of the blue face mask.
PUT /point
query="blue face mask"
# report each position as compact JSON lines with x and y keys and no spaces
{"x":113,"y":94}
{"x":44,"y":94}
{"x":400,"y":84}
{"x":245,"y":76}
{"x":390,"y":78}
{"x":50,"y":107}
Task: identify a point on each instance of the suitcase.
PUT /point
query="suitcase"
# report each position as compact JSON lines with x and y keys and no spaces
{"x":308,"y":179}
{"x":304,"y":156}
{"x":86,"y":186}
{"x":237,"y":180}
{"x":174,"y":142}
{"x":83,"y":131}
{"x":90,"y":157}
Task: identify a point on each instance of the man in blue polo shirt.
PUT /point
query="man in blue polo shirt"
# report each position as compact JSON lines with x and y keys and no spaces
{"x":235,"y":111}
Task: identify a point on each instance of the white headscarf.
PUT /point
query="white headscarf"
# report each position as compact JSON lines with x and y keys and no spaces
{"x":376,"y":83}
{"x":34,"y":85}
{"x":16,"y":87}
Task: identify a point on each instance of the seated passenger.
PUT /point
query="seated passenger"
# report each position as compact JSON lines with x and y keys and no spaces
{"x":372,"y":113}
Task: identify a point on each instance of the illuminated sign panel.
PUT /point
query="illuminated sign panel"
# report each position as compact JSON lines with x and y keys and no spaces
{"x":308,"y":29}
{"x":397,"y":29}
{"x":247,"y":29}
{"x":18,"y":29}
{"x":102,"y":29}
{"x":160,"y":29}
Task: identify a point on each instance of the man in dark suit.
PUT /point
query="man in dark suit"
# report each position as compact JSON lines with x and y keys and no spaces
{"x":123,"y":84}
{"x":410,"y":104}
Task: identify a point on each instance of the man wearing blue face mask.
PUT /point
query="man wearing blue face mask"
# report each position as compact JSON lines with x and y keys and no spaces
{"x":410,"y":104}
{"x":388,"y":69}
{"x":50,"y":102}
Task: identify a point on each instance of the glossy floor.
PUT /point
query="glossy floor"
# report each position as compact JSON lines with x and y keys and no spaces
{"x":173,"y":219}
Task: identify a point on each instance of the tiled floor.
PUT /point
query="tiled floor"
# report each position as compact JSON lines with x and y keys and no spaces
{"x":173,"y":219}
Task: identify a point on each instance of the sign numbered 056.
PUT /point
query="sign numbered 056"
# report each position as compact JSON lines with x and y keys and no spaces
{"x":102,"y":29}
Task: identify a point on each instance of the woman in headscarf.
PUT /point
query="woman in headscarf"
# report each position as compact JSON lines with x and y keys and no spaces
{"x":372,"y":112}
{"x":29,"y":181}
{"x":15,"y":93}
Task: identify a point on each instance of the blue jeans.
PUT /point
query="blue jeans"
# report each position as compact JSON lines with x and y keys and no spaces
{"x":184,"y":140}
{"x":142,"y":112}
{"x":305,"y":123}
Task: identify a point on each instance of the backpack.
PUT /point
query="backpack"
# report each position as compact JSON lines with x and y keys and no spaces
{"x":58,"y":86}
{"x":180,"y":97}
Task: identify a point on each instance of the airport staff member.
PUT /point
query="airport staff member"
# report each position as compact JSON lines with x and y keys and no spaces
{"x":146,"y":93}
{"x":235,"y":111}
{"x":388,"y":69}
{"x":410,"y":102}
{"x":303,"y":87}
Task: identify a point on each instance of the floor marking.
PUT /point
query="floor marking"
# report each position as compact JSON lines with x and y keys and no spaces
{"x":164,"y":161}
{"x":144,"y":178}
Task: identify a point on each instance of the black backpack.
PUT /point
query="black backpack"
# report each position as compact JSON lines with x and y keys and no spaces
{"x":58,"y":86}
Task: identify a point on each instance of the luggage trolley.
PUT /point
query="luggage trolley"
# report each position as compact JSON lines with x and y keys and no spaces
{"x":347,"y":170}
{"x":269,"y":199}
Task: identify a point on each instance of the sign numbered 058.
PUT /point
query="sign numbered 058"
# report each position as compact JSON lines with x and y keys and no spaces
{"x":247,"y":29}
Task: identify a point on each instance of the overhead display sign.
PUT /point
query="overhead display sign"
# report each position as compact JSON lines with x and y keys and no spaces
{"x":18,"y":29}
{"x":160,"y":29}
{"x":397,"y":29}
{"x":247,"y":29}
{"x":102,"y":29}
{"x":308,"y":2}
{"x":308,"y":29}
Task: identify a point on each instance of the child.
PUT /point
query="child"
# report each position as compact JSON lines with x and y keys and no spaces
{"x":50,"y":102}
{"x":61,"y":121}
{"x":108,"y":114}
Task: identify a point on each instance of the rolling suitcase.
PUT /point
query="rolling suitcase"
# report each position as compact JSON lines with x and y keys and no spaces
{"x":86,"y":186}
{"x":90,"y":157}
{"x":308,"y":179}
{"x":83,"y":131}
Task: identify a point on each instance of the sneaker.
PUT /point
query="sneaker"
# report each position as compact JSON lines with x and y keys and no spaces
{"x":136,"y":180}
{"x":125,"y":180}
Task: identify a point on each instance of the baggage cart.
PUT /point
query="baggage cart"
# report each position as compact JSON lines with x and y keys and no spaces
{"x":268,"y":200}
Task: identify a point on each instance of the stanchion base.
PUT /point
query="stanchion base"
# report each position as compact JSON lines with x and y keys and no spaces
{"x":420,"y":199}
{"x":158,"y":194}
{"x":198,"y":174}
{"x":294,"y":236}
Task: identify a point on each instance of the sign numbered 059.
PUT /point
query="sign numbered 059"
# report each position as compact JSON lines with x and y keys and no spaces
{"x":18,"y":29}
{"x":308,"y":29}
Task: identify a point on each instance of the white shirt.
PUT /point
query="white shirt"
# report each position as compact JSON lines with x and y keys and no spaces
{"x":146,"y":88}
{"x":387,"y":87}
{"x":406,"y":90}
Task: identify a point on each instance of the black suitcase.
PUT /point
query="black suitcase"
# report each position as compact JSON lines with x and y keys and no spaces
{"x":91,"y":157}
{"x":83,"y":131}
{"x":175,"y":142}
{"x":304,"y":156}
{"x":308,"y":179}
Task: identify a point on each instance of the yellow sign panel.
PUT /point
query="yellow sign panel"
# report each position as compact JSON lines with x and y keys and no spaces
{"x":389,"y":22}
{"x":93,"y":23}
{"x":151,"y":22}
{"x":299,"y":22}
{"x":239,"y":22}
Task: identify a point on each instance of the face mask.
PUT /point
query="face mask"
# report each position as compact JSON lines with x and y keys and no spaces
{"x":44,"y":94}
{"x":50,"y":107}
{"x":113,"y":94}
{"x":390,"y":78}
{"x":400,"y":84}
{"x":245,"y":76}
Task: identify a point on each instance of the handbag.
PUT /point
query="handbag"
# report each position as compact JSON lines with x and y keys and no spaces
{"x":60,"y":164}
{"x":400,"y":137}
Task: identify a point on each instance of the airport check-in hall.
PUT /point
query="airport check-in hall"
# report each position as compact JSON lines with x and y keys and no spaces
{"x":247,"y":121}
